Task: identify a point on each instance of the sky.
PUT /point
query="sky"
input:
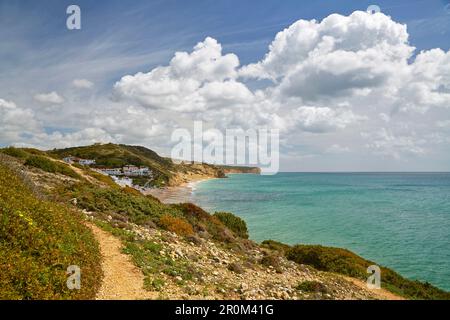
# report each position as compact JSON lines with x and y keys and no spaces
{"x":348,"y":90}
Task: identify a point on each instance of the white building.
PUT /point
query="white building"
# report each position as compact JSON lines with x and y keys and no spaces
{"x":69,"y":160}
{"x":129,"y":171}
{"x":112,"y":171}
{"x":144,"y":171}
{"x":123,"y":182}
{"x":86,"y":162}
{"x":135,"y":171}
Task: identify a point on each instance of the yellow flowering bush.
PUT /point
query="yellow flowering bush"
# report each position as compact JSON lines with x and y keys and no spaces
{"x":38,"y":241}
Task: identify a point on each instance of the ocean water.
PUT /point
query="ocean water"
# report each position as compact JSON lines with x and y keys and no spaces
{"x":399,"y":220}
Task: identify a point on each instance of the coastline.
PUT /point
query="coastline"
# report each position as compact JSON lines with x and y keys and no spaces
{"x":288,"y":257}
{"x":183,"y":193}
{"x":183,"y":190}
{"x":177,"y":194}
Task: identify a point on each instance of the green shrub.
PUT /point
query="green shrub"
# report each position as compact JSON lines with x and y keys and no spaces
{"x":135,"y":207}
{"x":347,"y":263}
{"x":38,"y":241}
{"x":203,"y":222}
{"x":275,"y":245}
{"x":234,"y":223}
{"x":15,"y":152}
{"x":330,"y":259}
{"x":51,"y":166}
{"x":34,"y":151}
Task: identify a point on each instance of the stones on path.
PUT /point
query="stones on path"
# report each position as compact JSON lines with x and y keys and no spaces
{"x":222,"y":273}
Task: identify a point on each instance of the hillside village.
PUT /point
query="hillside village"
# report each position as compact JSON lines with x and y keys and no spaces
{"x":141,"y":168}
{"x":83,"y":162}
{"x":120,"y":175}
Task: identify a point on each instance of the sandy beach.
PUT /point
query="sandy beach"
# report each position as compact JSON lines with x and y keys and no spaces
{"x":178,"y":194}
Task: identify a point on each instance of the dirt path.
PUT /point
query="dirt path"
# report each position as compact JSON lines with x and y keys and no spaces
{"x":122,"y":280}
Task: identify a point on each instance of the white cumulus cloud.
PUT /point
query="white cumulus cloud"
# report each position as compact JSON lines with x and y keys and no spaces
{"x":360,"y":37}
{"x":82,"y":83}
{"x":183,"y":84}
{"x":16,"y":123}
{"x":49,"y":98}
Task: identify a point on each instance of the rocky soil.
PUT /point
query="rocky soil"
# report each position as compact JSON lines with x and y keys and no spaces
{"x":223,"y":273}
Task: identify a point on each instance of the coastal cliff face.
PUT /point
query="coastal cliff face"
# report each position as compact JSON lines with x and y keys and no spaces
{"x":194,"y":172}
{"x":206,"y":171}
{"x":176,"y":251}
{"x":250,"y":170}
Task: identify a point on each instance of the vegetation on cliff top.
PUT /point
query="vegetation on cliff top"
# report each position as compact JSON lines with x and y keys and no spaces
{"x":121,"y":204}
{"x":48,"y":165}
{"x":345,"y":262}
{"x":36,"y":159}
{"x":39,"y":240}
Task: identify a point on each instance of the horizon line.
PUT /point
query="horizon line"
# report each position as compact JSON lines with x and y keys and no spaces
{"x":364,"y":172}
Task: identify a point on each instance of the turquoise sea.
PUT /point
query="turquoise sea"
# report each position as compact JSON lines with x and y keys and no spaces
{"x":400,"y":220}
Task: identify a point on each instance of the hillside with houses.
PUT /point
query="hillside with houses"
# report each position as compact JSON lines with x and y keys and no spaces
{"x":128,"y":170}
{"x":140,"y":167}
{"x":123,"y":176}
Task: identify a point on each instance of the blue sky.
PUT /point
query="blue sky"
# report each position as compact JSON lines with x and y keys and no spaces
{"x":243,"y":27}
{"x":39,"y":56}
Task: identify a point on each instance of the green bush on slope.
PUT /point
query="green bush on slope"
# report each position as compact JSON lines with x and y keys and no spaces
{"x":48,"y":165}
{"x":38,"y":241}
{"x":205,"y":224}
{"x":15,"y":152}
{"x":275,"y":245}
{"x":347,"y":263}
{"x":234,"y":223}
{"x":136,"y":208}
{"x":38,"y":159}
